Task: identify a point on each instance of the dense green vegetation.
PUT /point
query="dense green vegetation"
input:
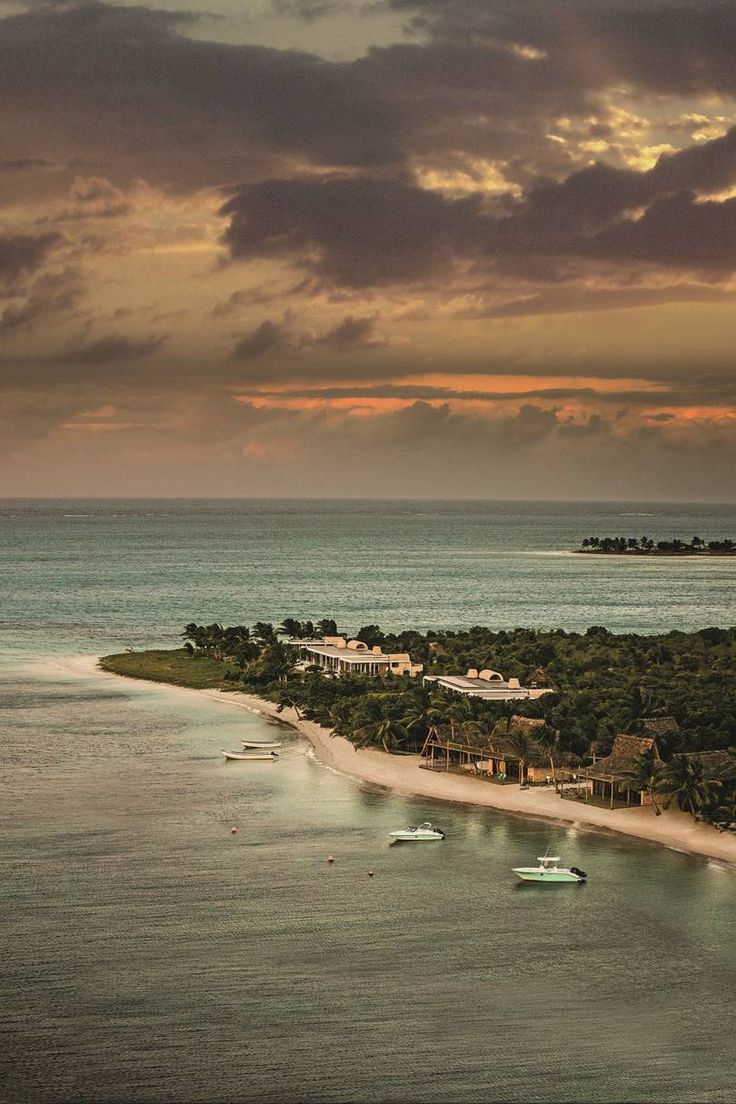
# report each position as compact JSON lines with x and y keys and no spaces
{"x":645,"y":546}
{"x":604,"y":684}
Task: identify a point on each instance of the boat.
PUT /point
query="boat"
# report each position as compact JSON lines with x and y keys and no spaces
{"x":250,"y":755}
{"x":260,"y":745}
{"x":421,"y":833}
{"x":549,"y":871}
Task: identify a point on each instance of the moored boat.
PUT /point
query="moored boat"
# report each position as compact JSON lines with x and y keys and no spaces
{"x":421,"y":833}
{"x":549,"y":871}
{"x":245,"y":757}
{"x":261,"y":745}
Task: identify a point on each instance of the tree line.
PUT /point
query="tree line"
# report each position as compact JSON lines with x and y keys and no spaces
{"x":646,"y":546}
{"x":603,"y":684}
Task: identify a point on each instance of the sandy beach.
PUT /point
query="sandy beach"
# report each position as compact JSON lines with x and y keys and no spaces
{"x":403,"y":774}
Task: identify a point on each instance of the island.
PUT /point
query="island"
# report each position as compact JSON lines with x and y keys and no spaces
{"x":645,"y":546}
{"x":606,"y":721}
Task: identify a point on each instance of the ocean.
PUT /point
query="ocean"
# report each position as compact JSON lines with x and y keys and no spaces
{"x":151,"y":955}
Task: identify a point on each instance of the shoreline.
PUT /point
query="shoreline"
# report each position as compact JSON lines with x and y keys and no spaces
{"x":402,"y":774}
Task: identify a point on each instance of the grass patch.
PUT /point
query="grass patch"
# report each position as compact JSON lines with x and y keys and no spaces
{"x":174,"y":666}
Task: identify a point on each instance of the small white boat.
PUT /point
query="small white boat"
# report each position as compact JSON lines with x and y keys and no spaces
{"x":422,"y":833}
{"x":549,"y":871}
{"x":260,"y":745}
{"x":244,"y":757}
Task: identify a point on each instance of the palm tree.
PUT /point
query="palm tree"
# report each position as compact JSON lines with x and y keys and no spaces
{"x":288,"y":701}
{"x":549,"y":741}
{"x":264,"y":632}
{"x":457,"y":712}
{"x":386,"y":731}
{"x":327,"y":627}
{"x":525,"y":748}
{"x":290,"y":627}
{"x":642,"y":776}
{"x":683,"y":781}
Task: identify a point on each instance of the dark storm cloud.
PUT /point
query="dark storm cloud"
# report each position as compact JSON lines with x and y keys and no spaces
{"x":675,"y":231}
{"x":351,"y":333}
{"x":272,"y":337}
{"x":680,"y":46}
{"x":369,"y":230}
{"x":171,"y":108}
{"x":366,"y":230}
{"x":85,"y":361}
{"x":111,"y":349}
{"x":266,"y":338}
{"x":52,"y":293}
{"x":21,"y":253}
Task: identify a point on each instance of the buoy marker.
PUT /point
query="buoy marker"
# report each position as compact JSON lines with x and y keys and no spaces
{"x":330,"y":858}
{"x":233,"y":830}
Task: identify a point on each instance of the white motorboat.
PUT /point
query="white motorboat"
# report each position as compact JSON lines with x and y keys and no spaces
{"x":549,"y":871}
{"x":260,"y":745}
{"x":244,"y":757}
{"x":422,"y":833}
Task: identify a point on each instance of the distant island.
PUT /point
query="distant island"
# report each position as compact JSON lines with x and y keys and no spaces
{"x":645,"y":546}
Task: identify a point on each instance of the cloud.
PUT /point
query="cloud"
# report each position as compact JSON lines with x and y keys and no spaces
{"x":268,"y":337}
{"x":112,"y":349}
{"x":362,"y":231}
{"x":51,"y":293}
{"x":357,"y":231}
{"x":677,"y":231}
{"x":351,"y":333}
{"x":273,"y":337}
{"x":308,"y":10}
{"x":21,"y":253}
{"x":174,"y":109}
{"x":20,"y":164}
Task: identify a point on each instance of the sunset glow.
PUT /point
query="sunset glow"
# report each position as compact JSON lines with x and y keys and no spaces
{"x":468,"y":237}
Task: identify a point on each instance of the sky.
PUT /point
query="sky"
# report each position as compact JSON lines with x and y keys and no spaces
{"x":369,"y":248}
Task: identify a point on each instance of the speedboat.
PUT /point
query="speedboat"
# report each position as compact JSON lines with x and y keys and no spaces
{"x":245,"y":757}
{"x":549,"y":871}
{"x":260,"y":745}
{"x":422,"y":833}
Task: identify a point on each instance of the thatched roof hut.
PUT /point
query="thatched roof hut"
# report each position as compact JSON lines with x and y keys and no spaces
{"x":540,"y":680}
{"x":624,"y":755}
{"x":607,"y":778}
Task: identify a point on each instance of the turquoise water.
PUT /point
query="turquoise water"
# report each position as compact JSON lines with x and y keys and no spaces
{"x":90,"y":572}
{"x":152,"y":955}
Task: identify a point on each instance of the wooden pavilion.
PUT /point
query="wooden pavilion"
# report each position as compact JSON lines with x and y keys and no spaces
{"x":460,"y":748}
{"x":606,"y":779}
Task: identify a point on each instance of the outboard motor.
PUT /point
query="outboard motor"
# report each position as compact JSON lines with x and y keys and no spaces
{"x":580,"y":873}
{"x":440,"y":830}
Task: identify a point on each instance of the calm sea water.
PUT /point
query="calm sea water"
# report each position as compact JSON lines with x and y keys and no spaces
{"x":151,"y":955}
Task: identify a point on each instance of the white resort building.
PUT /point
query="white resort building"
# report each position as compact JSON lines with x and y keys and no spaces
{"x":341,"y":656}
{"x":488,"y":685}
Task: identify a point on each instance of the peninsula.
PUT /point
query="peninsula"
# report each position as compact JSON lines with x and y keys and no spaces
{"x":627,"y":733}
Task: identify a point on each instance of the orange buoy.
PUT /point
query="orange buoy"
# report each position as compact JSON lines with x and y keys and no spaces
{"x":330,"y":858}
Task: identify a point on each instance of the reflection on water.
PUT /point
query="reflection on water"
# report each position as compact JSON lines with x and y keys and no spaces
{"x":151,"y":955}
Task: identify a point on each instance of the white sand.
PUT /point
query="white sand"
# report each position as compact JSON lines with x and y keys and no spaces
{"x":402,"y":774}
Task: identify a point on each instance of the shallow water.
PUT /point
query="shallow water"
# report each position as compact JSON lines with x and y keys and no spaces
{"x":152,"y":955}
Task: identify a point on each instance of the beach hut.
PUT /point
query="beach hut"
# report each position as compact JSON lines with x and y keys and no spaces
{"x":609,"y":778}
